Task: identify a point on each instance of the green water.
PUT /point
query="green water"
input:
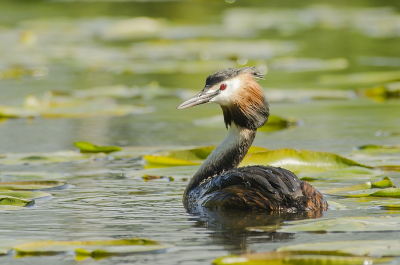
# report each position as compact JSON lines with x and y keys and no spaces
{"x":66,"y":46}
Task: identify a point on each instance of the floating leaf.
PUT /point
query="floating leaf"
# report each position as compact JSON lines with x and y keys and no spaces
{"x":185,"y":157}
{"x":23,"y":194}
{"x":276,"y":123}
{"x":352,"y":173}
{"x":360,"y":78}
{"x":371,"y":148}
{"x":389,"y":192}
{"x":288,"y":257}
{"x":8,"y":200}
{"x":86,"y":147}
{"x":386,"y":182}
{"x":161,"y":161}
{"x":344,"y":224}
{"x":96,"y":248}
{"x":10,"y":175}
{"x":292,"y":64}
{"x":377,"y":248}
{"x":31,"y":185}
{"x":334,"y":191}
{"x":48,"y":157}
{"x":118,"y":91}
{"x":13,"y":112}
{"x":382,"y":93}
{"x":63,"y":106}
{"x":300,"y":160}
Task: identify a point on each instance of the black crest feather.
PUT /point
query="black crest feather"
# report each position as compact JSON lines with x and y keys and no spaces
{"x":229,"y":73}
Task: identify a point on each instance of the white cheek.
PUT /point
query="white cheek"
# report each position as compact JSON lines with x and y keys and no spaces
{"x":227,"y":96}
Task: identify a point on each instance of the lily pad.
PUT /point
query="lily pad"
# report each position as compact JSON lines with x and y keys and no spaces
{"x":14,"y":175}
{"x":352,"y":173}
{"x":23,"y":194}
{"x":344,"y":224}
{"x":95,"y":248}
{"x":300,"y":160}
{"x":162,"y":161}
{"x":293,"y":257}
{"x":384,"y":92}
{"x":365,"y":188}
{"x":31,"y":185}
{"x":64,"y":106}
{"x":12,"y":201}
{"x":48,"y":157}
{"x":371,"y":148}
{"x":14,"y":112}
{"x":276,"y":123}
{"x":389,"y":192}
{"x":377,"y":248}
{"x":361,"y":78}
{"x":86,"y":147}
{"x":186,"y":157}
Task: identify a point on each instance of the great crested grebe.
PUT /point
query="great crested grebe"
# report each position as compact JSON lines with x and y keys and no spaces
{"x":219,"y":183}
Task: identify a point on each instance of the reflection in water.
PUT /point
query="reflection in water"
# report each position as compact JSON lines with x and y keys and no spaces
{"x":229,"y":228}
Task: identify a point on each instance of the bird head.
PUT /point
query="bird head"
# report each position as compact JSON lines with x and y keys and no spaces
{"x":239,"y":95}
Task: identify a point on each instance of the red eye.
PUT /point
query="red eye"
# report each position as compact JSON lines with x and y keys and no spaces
{"x":222,"y":87}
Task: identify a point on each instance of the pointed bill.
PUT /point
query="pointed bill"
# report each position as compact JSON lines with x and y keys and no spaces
{"x":198,"y":99}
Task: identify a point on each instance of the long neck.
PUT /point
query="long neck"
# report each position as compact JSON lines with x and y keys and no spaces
{"x":226,"y":155}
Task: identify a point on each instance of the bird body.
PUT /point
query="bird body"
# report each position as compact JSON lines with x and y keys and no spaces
{"x":219,"y":183}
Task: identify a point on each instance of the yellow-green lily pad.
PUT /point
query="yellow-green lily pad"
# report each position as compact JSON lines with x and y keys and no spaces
{"x":344,"y":224}
{"x":95,"y":248}
{"x":12,"y":201}
{"x":185,"y":157}
{"x":86,"y":147}
{"x":31,"y":185}
{"x":377,"y":248}
{"x":23,"y":194}
{"x":300,"y":160}
{"x":48,"y":157}
{"x":293,"y":257}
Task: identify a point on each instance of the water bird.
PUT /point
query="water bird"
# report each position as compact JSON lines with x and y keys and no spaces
{"x":219,"y":183}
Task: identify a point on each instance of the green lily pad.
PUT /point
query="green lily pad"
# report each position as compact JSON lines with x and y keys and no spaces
{"x":14,"y":112}
{"x":371,"y":148}
{"x":360,"y":78}
{"x":300,"y":160}
{"x":344,"y":224}
{"x":118,"y":91}
{"x":334,"y":191}
{"x":86,"y":147}
{"x":377,"y":248}
{"x":48,"y":157}
{"x":276,"y":123}
{"x":64,"y":106}
{"x":186,"y":157}
{"x":352,"y":173}
{"x":31,"y":185}
{"x":365,"y":189}
{"x":23,"y":194}
{"x":12,"y":201}
{"x":95,"y":248}
{"x":161,"y":161}
{"x":384,"y":92}
{"x":386,"y":182}
{"x":389,"y":192}
{"x":14,"y":176}
{"x":293,"y":257}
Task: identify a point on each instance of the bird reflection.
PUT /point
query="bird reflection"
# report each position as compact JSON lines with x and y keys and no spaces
{"x":231,"y":228}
